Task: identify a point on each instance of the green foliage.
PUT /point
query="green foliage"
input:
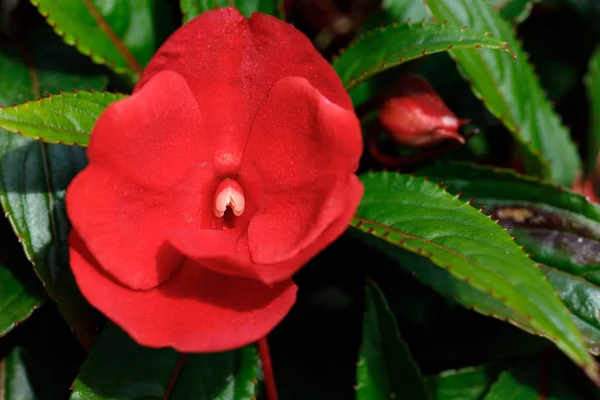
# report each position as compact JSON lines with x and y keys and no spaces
{"x":512,"y":93}
{"x":393,"y":45}
{"x":120,"y":34}
{"x":385,"y":367}
{"x":34,"y":175}
{"x":415,"y":215}
{"x":592,"y":81}
{"x":192,"y":8}
{"x":560,"y":228}
{"x":120,"y":368}
{"x":522,"y":249}
{"x":539,"y":377}
{"x":20,"y":296}
{"x":464,"y":384}
{"x":515,"y":11}
{"x":67,"y":118}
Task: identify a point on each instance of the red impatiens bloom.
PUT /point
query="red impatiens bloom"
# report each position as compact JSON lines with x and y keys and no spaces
{"x":230,"y":167}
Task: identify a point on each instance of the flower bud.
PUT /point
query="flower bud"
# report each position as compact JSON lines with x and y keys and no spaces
{"x":415,"y":116}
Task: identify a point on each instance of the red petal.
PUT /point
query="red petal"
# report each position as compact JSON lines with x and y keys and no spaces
{"x":298,"y":137}
{"x":125,"y":202}
{"x":195,"y":311}
{"x":230,"y":63}
{"x":228,"y":251}
{"x":292,"y":220}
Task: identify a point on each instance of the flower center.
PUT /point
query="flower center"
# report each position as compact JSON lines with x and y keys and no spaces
{"x":229,"y":194}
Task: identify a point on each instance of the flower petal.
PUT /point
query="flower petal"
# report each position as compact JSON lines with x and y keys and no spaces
{"x":195,"y":311}
{"x":126,"y":200}
{"x":230,"y":63}
{"x":228,"y":252}
{"x":305,"y":139}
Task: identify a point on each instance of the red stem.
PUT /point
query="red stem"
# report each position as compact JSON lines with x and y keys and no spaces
{"x":265,"y":357}
{"x":174,"y":376}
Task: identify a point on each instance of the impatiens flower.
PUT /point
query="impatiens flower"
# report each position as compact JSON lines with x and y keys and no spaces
{"x":229,"y":168}
{"x":415,"y":116}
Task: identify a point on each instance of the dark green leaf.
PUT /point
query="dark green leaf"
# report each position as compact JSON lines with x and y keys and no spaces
{"x":417,"y":216}
{"x":463,"y":384}
{"x":391,"y":11}
{"x":19,"y":295}
{"x":34,"y":175}
{"x":512,"y":93}
{"x":386,"y":369}
{"x":119,"y":368}
{"x":395,"y":44}
{"x":120,"y":34}
{"x":515,"y":11}
{"x":592,"y":81}
{"x":535,"y":378}
{"x":559,"y":227}
{"x":192,"y":8}
{"x":39,"y":360}
{"x":67,"y":118}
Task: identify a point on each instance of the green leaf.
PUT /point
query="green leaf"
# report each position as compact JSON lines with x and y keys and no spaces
{"x":20,"y":292}
{"x":391,"y":11}
{"x":34,"y":175}
{"x":559,"y":227}
{"x":464,"y":384}
{"x":386,"y":369}
{"x":67,"y":118}
{"x":592,"y":82}
{"x":192,"y":8}
{"x":39,"y":360}
{"x":417,"y":216}
{"x":539,"y":377}
{"x":119,"y":368}
{"x":19,"y":295}
{"x":120,"y":34}
{"x":583,"y":299}
{"x":512,"y":93}
{"x":515,"y":11}
{"x":395,"y":44}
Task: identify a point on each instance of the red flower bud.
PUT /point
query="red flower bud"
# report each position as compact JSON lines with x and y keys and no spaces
{"x":230,"y":166}
{"x":414,"y":115}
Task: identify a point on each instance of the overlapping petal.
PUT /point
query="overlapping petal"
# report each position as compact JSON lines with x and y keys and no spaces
{"x":196,"y":310}
{"x":148,"y":174}
{"x":230,"y":64}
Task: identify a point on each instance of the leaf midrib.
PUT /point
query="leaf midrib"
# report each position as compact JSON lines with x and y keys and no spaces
{"x":447,"y":250}
{"x":112,"y":36}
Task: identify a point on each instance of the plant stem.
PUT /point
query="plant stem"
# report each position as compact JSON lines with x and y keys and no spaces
{"x":174,"y":376}
{"x":265,"y":357}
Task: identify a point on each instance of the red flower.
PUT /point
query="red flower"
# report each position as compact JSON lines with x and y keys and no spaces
{"x":230,"y":167}
{"x":416,"y":116}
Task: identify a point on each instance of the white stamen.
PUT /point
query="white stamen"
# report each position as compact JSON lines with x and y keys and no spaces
{"x":229,"y":194}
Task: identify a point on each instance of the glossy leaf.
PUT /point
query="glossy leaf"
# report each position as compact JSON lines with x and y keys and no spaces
{"x":512,"y":93}
{"x":34,"y":175}
{"x":535,"y":378}
{"x":20,"y":291}
{"x":395,"y":44}
{"x":559,"y":227}
{"x":464,"y":384}
{"x":515,"y":11}
{"x":385,"y":367}
{"x":67,"y":118}
{"x":391,"y":11}
{"x":119,"y":368}
{"x":19,"y":296}
{"x":592,"y":82}
{"x":120,"y":34}
{"x":419,"y":217}
{"x":192,"y":8}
